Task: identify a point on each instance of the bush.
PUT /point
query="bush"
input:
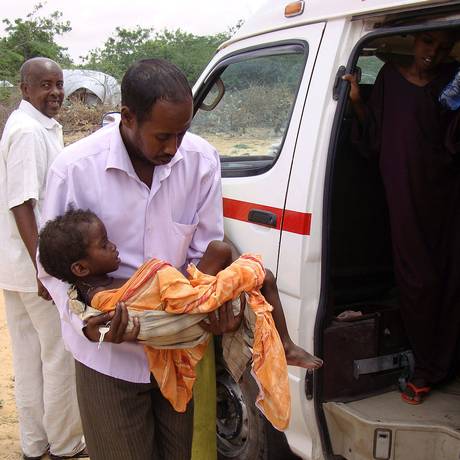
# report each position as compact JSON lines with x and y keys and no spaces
{"x":10,"y":99}
{"x":80,"y":120}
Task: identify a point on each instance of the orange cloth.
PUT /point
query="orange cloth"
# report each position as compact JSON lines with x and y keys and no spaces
{"x":156,"y":285}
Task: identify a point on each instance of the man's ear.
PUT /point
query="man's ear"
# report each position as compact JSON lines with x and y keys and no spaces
{"x":128,"y":118}
{"x":24,"y":90}
{"x":80,"y":269}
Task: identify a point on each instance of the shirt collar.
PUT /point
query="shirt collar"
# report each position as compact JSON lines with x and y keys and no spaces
{"x":46,"y":122}
{"x":118,"y":157}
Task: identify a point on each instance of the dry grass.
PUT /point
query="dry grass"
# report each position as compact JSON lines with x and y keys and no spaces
{"x":79,"y":120}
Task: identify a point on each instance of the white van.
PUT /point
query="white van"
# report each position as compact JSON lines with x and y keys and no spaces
{"x":295,"y":191}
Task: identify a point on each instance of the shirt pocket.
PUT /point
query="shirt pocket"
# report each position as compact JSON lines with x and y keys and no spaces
{"x":182,"y":235}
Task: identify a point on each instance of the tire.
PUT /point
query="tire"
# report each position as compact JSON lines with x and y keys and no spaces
{"x":241,"y":433}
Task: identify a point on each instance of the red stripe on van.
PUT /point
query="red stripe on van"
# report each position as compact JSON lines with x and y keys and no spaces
{"x":294,"y":222}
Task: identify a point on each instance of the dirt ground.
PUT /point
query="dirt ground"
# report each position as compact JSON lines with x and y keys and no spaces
{"x":9,"y":428}
{"x":257,"y":142}
{"x":10,"y":448}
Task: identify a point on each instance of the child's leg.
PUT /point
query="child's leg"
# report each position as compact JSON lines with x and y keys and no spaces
{"x":218,"y":255}
{"x":295,"y":356}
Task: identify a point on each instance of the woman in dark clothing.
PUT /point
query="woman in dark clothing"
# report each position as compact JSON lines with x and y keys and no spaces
{"x":416,"y":142}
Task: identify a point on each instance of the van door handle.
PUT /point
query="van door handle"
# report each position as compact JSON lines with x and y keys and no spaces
{"x":259,"y":216}
{"x":338,"y":82}
{"x":309,"y":384}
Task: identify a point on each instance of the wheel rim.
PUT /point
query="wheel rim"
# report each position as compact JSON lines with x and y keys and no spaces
{"x":232,"y":418}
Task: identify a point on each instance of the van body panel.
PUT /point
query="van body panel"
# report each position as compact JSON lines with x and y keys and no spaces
{"x":267,"y":191}
{"x":270,"y":16}
{"x":302,"y":433}
{"x":294,"y":188}
{"x":299,"y":270}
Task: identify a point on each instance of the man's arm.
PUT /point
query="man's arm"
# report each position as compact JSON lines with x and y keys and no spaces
{"x":26,"y":173}
{"x":27,"y":227}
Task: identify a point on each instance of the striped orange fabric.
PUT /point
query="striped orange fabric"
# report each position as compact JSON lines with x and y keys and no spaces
{"x":156,"y":285}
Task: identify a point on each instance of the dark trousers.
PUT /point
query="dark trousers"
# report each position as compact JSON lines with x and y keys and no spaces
{"x":130,"y":421}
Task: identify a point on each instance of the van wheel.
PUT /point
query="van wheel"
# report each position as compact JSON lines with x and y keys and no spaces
{"x":240,"y":427}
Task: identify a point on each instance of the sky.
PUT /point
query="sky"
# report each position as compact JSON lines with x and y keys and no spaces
{"x":93,"y":21}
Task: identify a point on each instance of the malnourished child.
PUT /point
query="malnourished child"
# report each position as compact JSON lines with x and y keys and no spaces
{"x":75,"y":248}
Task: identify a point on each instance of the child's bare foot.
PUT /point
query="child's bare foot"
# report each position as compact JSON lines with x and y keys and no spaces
{"x":296,"y":356}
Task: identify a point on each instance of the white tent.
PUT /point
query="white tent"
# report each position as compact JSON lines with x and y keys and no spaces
{"x":5,"y":84}
{"x":92,"y":87}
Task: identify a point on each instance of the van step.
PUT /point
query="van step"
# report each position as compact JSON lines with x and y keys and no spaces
{"x":382,"y":363}
{"x":383,"y":427}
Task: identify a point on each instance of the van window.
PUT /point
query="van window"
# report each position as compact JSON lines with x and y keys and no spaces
{"x":246,"y":111}
{"x":370,"y":67}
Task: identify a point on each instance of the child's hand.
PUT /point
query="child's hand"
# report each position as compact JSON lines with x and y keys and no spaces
{"x":227,"y":320}
{"x":118,"y":323}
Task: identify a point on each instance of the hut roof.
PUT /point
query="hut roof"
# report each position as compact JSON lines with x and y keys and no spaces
{"x":104,"y":86}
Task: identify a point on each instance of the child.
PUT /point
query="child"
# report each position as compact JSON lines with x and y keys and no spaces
{"x":75,"y":248}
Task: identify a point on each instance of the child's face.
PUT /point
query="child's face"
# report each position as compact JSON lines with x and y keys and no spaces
{"x":102,"y":255}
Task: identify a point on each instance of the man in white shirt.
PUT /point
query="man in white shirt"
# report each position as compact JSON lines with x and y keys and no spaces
{"x":157,"y":189}
{"x":44,"y":371}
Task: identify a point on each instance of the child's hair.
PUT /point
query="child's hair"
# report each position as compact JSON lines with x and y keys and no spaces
{"x":63,"y":241}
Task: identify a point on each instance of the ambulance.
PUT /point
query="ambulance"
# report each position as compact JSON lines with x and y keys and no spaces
{"x":273,"y":102}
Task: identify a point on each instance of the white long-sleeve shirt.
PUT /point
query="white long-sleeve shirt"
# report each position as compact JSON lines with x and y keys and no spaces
{"x":173,"y":220}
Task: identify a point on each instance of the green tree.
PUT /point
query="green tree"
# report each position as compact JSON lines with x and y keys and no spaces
{"x":188,"y":51}
{"x":10,"y":62}
{"x":32,"y":37}
{"x":119,"y":51}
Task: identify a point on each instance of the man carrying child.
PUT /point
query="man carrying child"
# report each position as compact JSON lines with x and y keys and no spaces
{"x":157,"y":189}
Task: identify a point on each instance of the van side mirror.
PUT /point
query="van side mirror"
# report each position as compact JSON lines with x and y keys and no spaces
{"x":110,"y":117}
{"x":214,"y":96}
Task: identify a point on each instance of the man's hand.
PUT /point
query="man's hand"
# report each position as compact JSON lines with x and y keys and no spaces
{"x":227,"y":320}
{"x":41,"y":291}
{"x":118,"y":323}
